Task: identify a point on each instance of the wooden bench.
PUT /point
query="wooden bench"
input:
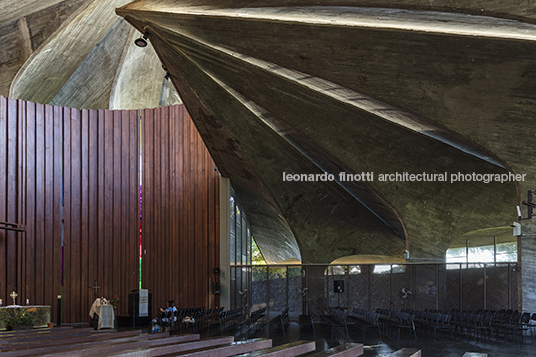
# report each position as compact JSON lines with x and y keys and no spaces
{"x":34,"y":335}
{"x":306,"y":320}
{"x":287,"y":350}
{"x":96,"y":338}
{"x":248,"y":324}
{"x":280,"y":320}
{"x":220,"y":350}
{"x":101,"y":347}
{"x":346,"y":350}
{"x":406,"y":352}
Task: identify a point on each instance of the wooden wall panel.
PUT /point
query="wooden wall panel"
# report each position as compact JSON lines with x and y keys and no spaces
{"x":82,"y":166}
{"x":3,"y":201}
{"x":180,"y":198}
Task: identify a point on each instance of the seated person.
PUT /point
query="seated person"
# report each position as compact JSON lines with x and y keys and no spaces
{"x":165,"y":315}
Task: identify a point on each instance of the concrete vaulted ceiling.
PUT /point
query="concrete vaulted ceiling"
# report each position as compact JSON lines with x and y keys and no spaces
{"x":313,"y":87}
{"x":77,"y":53}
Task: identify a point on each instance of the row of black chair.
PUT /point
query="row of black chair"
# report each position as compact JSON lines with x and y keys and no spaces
{"x":488,"y":324}
{"x":335,"y":318}
{"x":364,"y":319}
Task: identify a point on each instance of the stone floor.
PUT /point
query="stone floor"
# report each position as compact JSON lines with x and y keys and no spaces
{"x":375,"y":347}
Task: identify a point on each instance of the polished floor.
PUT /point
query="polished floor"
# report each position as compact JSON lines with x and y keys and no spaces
{"x":376,"y":347}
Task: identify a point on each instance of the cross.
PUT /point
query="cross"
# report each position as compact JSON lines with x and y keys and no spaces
{"x":530,"y":205}
{"x":95,"y":287}
{"x":14,"y":296}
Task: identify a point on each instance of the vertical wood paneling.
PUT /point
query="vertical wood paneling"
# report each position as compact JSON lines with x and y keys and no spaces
{"x":84,"y":165}
{"x":92,"y":204}
{"x":21,"y":197}
{"x":67,"y":217}
{"x":11,"y":193}
{"x":39,"y":238}
{"x":101,"y":211}
{"x":75,"y":207}
{"x":125,"y":208}
{"x":48,"y":260}
{"x":116,"y":208}
{"x":3,"y":196}
{"x":180,"y":198}
{"x":108,"y":202}
{"x":58,"y":210}
{"x":84,"y":213}
{"x":30,"y":189}
{"x":133,"y":196}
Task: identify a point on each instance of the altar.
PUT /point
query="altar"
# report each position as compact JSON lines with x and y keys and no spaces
{"x":41,"y":314}
{"x":104,"y":311}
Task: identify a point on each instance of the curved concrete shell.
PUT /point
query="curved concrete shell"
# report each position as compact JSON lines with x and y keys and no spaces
{"x":362,"y":90}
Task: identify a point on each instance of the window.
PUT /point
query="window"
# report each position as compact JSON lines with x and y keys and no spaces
{"x":240,"y":233}
{"x":496,"y":252}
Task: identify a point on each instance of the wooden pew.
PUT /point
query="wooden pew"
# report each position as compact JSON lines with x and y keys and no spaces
{"x":224,"y":350}
{"x":156,"y":347}
{"x":39,"y":330}
{"x":59,"y":347}
{"x":66,"y":340}
{"x":280,"y":320}
{"x":39,"y":338}
{"x":346,"y":350}
{"x":306,"y":320}
{"x":287,"y":350}
{"x":30,"y":334}
{"x":406,"y":352}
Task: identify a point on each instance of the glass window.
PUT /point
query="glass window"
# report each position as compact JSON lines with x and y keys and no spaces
{"x":382,"y":269}
{"x":232,"y":249}
{"x":232,"y":218}
{"x":355,"y":269}
{"x":335,"y":270}
{"x":480,"y":254}
{"x":240,"y":238}
{"x":500,"y":252}
{"x":456,"y":255}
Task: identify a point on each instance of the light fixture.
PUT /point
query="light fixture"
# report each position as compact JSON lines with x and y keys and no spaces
{"x":142,"y":41}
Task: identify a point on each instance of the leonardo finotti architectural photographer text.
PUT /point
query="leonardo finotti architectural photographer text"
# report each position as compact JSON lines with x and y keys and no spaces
{"x":405,"y":177}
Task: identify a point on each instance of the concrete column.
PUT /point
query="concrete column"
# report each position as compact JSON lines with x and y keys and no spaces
{"x":526,"y":244}
{"x":225,"y":261}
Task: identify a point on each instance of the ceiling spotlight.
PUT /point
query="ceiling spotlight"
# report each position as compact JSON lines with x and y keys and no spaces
{"x":141,"y":42}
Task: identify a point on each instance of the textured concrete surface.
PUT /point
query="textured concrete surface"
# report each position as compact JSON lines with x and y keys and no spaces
{"x":138,"y":65}
{"x":70,"y":53}
{"x":347,"y":89}
{"x":89,"y":86}
{"x":29,"y":31}
{"x":49,"y":68}
{"x":526,"y":254}
{"x":294,"y":86}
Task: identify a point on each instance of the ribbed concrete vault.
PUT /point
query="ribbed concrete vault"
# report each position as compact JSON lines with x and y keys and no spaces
{"x":78,"y":54}
{"x":354,"y":86}
{"x":312,"y":87}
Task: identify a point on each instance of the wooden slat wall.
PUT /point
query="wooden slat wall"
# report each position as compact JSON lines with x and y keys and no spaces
{"x":180,"y":211}
{"x":101,"y":208}
{"x":30,"y":194}
{"x":97,"y":153}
